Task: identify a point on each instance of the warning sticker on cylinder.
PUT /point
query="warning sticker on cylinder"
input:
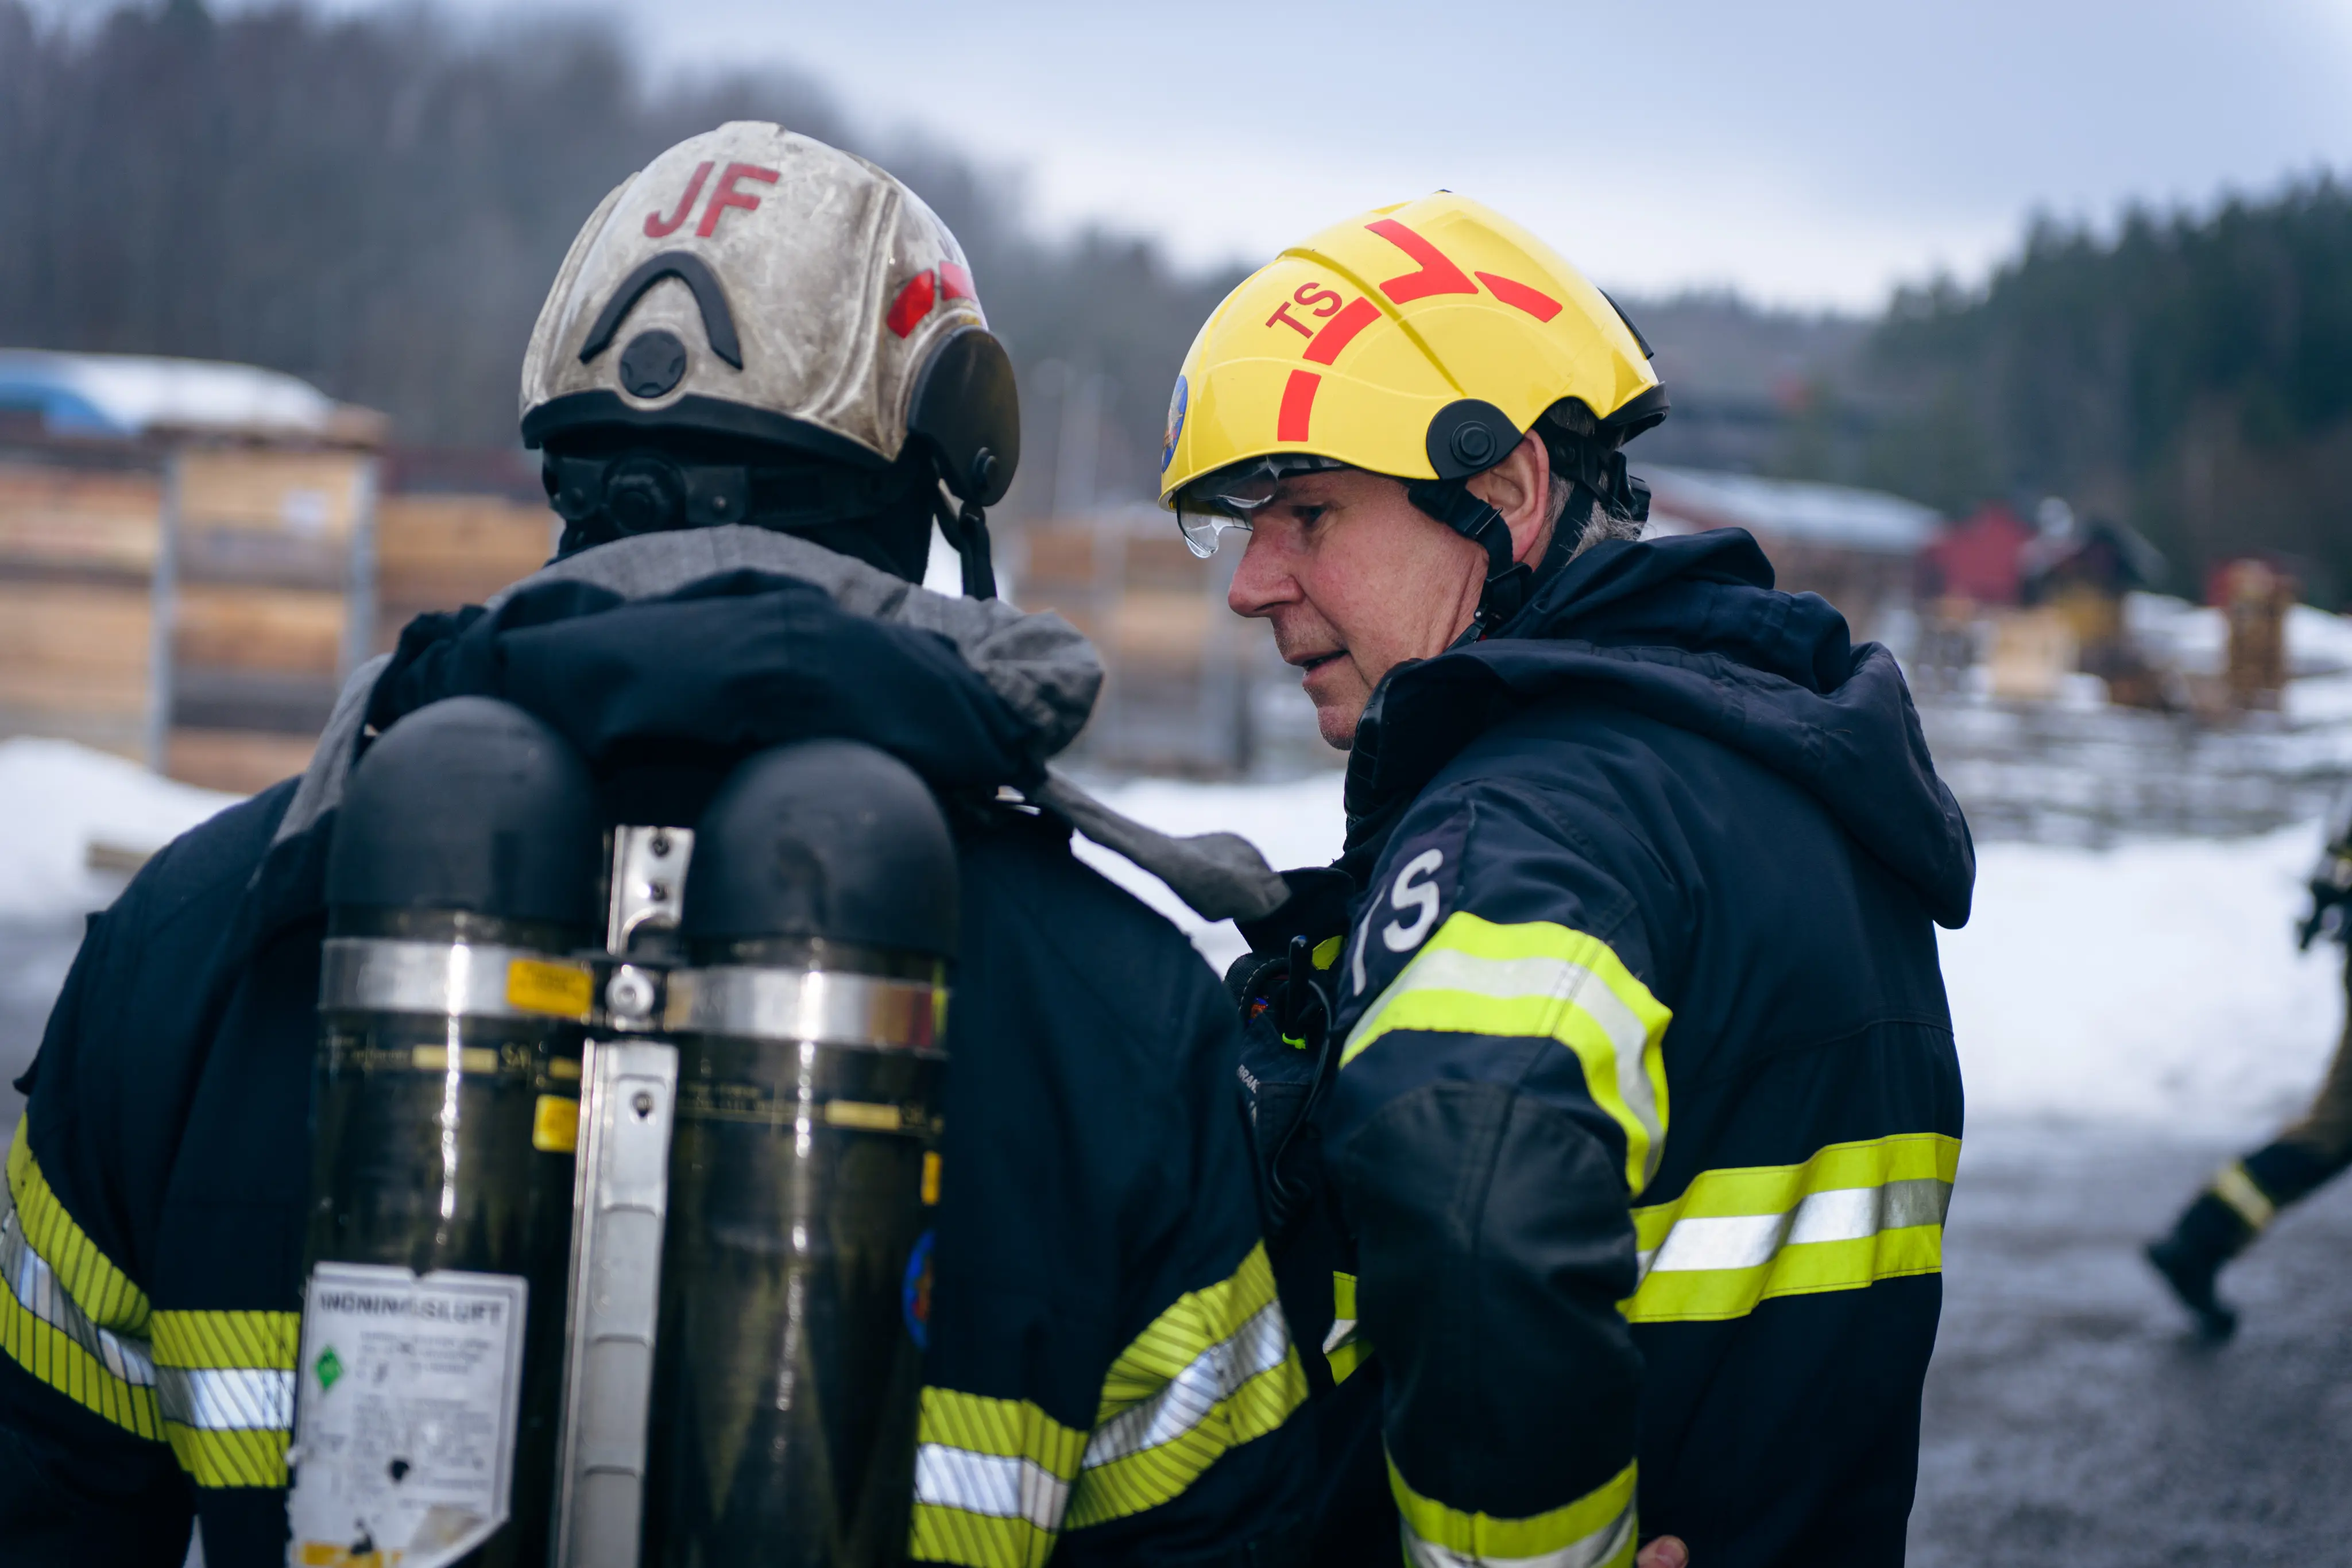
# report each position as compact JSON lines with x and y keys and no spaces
{"x":404,"y":1421}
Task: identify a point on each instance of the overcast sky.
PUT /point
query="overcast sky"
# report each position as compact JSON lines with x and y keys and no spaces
{"x":1809,"y":153}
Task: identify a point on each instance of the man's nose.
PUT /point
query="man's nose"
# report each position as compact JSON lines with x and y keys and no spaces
{"x":1262,"y":581}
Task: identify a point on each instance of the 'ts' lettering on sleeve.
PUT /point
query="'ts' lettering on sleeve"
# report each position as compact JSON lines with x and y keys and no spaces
{"x":1500,"y":1104}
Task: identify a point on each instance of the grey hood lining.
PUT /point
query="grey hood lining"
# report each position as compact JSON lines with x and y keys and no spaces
{"x":1046,"y":672}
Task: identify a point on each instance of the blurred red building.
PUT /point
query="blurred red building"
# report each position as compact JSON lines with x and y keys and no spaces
{"x":1980,"y":559}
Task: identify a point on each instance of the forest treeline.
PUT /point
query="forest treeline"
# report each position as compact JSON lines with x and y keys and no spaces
{"x":2189,"y":373}
{"x":376,"y":203}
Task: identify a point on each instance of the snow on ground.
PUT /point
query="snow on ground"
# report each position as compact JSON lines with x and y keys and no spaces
{"x":2154,"y":982}
{"x":56,"y":799}
{"x":2195,"y":638}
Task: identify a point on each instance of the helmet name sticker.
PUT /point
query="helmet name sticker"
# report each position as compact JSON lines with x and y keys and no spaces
{"x":660,"y":227}
{"x":723,"y":195}
{"x":1317,"y":299}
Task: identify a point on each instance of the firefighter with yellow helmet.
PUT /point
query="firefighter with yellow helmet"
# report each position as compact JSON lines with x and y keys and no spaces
{"x":1604,"y":1087}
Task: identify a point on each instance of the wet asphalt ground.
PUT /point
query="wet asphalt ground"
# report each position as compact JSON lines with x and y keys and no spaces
{"x":2070,"y":1416}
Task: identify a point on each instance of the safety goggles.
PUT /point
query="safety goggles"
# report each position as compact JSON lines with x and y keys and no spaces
{"x":1232,"y":496}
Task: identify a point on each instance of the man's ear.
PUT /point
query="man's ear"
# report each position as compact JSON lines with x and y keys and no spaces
{"x":1520,"y":488}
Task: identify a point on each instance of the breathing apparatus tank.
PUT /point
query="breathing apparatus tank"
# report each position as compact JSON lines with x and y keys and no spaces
{"x":461,"y":876}
{"x":819,"y":920}
{"x":619,"y":1249}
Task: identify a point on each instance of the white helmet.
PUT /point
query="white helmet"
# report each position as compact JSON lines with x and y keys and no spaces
{"x":753,"y":284}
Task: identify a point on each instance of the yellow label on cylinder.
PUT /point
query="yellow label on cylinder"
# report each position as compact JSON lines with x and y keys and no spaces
{"x":860,"y":1113}
{"x":555,"y":1124}
{"x":930,"y":1176}
{"x":558,"y":990}
{"x":469,"y":1058}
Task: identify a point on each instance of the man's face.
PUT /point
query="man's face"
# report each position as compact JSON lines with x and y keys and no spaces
{"x":1356,"y":579}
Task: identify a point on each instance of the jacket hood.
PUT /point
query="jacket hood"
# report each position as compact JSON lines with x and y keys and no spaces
{"x":1689,"y":631}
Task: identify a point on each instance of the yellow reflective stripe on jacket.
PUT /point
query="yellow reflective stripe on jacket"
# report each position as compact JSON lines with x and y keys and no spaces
{"x":1596,"y":1531}
{"x":68,"y":1315}
{"x":1213,"y":1372}
{"x":992,"y":1480}
{"x":225,"y":1381}
{"x":103,"y":1293}
{"x":1849,"y":1216}
{"x":1344,"y":1348}
{"x":997,"y":1480}
{"x":1541,"y":980}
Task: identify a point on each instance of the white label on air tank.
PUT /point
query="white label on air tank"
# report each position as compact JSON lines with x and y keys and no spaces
{"x":404,"y":1425}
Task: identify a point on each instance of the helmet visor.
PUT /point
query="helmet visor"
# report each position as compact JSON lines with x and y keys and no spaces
{"x":1210,"y":506}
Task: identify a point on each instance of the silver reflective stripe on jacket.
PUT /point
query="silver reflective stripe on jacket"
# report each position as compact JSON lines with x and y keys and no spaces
{"x":1841,"y":1214}
{"x":997,"y":1486}
{"x":36,"y":1287}
{"x":1258,"y":1345}
{"x":227,"y":1399}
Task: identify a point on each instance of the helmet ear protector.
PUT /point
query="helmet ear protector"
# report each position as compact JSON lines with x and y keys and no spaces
{"x":966,"y":406}
{"x":967,"y":410}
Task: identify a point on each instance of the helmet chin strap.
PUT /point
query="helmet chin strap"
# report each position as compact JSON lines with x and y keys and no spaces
{"x":1507,"y":581}
{"x":1597,"y":481}
{"x":966,"y":528}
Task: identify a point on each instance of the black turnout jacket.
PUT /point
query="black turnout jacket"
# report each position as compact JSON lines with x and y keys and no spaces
{"x":1108,"y":1376}
{"x":1619,"y":1211}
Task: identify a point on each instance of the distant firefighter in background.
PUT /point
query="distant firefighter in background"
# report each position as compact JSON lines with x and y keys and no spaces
{"x":2246,"y":1194}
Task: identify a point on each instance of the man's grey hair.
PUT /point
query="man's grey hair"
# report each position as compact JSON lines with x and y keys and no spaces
{"x":1598,"y":523}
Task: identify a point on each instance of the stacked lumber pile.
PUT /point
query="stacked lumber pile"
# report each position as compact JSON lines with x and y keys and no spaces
{"x":265,"y":580}
{"x":439,"y":552}
{"x":199,"y":609}
{"x":78,"y":550}
{"x":1175,"y":694}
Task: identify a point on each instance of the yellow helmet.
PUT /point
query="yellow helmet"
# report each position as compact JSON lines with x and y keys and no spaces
{"x":1422,"y":340}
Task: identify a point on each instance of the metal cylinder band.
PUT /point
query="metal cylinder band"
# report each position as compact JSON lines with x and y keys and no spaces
{"x":454,"y":980}
{"x":818,"y":1006}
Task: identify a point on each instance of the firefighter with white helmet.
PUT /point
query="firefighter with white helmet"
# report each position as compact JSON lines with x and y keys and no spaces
{"x":760,"y":329}
{"x":761,"y":377}
{"x":1605,"y":1086}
